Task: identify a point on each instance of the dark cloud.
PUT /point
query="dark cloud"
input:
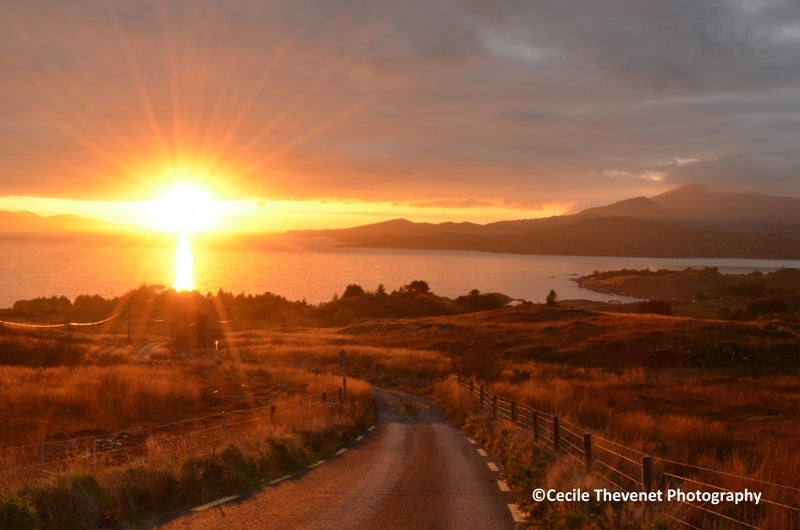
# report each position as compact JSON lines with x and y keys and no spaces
{"x":742,"y":171}
{"x":435,"y":100}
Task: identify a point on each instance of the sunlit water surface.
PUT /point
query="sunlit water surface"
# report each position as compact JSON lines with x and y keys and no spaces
{"x":311,"y":270}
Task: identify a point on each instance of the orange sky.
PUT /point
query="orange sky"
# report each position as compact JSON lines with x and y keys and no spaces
{"x":340,"y":113}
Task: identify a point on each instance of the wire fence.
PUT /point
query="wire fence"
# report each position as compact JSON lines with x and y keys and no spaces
{"x":690,"y":496}
{"x":195,"y":436}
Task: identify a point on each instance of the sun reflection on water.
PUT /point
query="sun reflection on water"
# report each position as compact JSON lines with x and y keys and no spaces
{"x":184,"y":271}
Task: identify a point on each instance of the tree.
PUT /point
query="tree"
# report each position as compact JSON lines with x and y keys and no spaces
{"x":417,"y":286}
{"x":353,"y":291}
{"x":552,"y":298}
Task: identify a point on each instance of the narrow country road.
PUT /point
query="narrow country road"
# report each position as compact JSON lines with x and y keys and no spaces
{"x":412,"y":471}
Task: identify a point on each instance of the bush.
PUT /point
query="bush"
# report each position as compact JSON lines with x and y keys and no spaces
{"x":16,"y":514}
{"x":75,"y":502}
{"x":743,"y":289}
{"x":552,"y":298}
{"x":765,"y":307}
{"x":657,"y":307}
{"x":147,"y":490}
{"x":475,"y":301}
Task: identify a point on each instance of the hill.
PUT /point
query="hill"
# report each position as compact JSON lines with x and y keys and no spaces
{"x":31,"y":223}
{"x":689,"y":221}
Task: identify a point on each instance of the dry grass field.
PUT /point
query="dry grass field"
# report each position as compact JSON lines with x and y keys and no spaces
{"x":709,"y":392}
{"x":133,"y":430}
{"x":716,"y":393}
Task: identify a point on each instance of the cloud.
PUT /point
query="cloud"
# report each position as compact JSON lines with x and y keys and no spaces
{"x":742,"y":172}
{"x":426,"y":100}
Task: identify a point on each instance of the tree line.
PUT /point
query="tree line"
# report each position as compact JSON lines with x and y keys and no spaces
{"x":194,"y":320}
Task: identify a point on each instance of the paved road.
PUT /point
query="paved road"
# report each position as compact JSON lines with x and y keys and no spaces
{"x":412,"y":471}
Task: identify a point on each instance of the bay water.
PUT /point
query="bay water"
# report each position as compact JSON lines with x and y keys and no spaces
{"x":312,"y":269}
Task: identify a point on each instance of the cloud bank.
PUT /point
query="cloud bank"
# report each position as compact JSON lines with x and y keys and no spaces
{"x":434,"y":100}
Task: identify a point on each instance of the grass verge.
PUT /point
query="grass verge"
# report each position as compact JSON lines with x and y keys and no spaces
{"x":527,"y":465}
{"x":178,"y":475}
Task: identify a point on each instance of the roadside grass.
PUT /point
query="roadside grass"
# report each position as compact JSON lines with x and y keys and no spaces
{"x":742,"y":447}
{"x":115,"y":388}
{"x":748,"y":425}
{"x":527,"y":465}
{"x":177,"y":472}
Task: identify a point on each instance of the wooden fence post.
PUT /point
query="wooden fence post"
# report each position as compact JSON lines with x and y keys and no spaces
{"x":481,"y":396}
{"x":272,"y":413}
{"x":494,"y":405}
{"x":341,"y":395}
{"x":556,"y":435}
{"x":513,"y":412}
{"x":324,"y":398}
{"x":587,"y":450}
{"x":471,"y":384}
{"x":647,"y":473}
{"x":535,"y":421}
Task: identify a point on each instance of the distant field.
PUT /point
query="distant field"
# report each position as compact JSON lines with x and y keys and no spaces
{"x":706,"y":292}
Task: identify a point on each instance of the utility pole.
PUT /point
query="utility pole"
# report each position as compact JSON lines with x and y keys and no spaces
{"x":343,"y":356}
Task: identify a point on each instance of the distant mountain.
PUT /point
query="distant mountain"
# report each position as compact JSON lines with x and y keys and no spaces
{"x":689,"y":221}
{"x":27,"y":223}
{"x":750,"y":212}
{"x":639,"y":208}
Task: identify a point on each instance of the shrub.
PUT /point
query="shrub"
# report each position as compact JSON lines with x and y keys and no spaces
{"x":16,"y":514}
{"x":552,"y":298}
{"x":74,"y":502}
{"x":765,"y":307}
{"x":657,"y":307}
{"x":743,"y":289}
{"x":146,"y":490}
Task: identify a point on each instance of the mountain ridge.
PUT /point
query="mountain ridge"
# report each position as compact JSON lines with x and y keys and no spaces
{"x":688,"y":221}
{"x":29,"y":222}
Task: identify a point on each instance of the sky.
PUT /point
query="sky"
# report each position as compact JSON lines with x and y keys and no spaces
{"x":313,"y":112}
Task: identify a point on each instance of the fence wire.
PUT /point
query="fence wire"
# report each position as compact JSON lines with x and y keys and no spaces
{"x":49,"y":457}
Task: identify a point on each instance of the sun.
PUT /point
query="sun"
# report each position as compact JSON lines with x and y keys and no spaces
{"x":185,"y":209}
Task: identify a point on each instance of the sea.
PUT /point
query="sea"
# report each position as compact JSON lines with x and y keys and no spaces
{"x":314,"y":270}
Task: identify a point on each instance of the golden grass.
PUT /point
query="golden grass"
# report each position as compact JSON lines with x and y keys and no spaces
{"x":699,"y":391}
{"x":177,"y":448}
{"x":712,"y":422}
{"x":715,"y":394}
